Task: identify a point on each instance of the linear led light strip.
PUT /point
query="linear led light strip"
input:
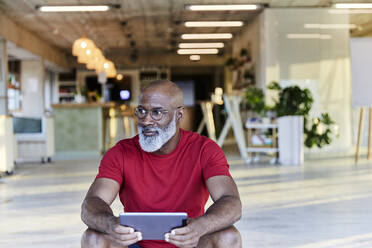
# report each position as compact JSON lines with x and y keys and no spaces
{"x":202,"y":45}
{"x":73,"y":8}
{"x":207,"y":36}
{"x":214,"y":24}
{"x":222,"y":7}
{"x":309,"y":36}
{"x":329,"y":26}
{"x":197,"y":51}
{"x":350,"y":11}
{"x":353,"y":5}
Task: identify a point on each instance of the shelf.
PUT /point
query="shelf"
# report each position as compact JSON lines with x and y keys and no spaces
{"x":67,"y":83}
{"x":260,"y":125}
{"x":262,"y":149}
{"x":66,"y":94}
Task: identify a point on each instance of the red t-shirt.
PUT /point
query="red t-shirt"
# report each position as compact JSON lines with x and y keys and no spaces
{"x":164,"y":183}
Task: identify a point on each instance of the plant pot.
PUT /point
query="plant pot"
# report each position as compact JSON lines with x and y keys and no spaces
{"x":291,"y":140}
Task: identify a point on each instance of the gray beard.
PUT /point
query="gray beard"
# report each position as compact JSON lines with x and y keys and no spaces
{"x":154,"y":143}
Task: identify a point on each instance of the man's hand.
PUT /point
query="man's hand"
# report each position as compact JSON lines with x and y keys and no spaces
{"x":123,"y":235}
{"x":187,"y":236}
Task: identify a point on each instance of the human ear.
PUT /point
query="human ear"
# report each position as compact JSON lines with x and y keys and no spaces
{"x":180,"y":114}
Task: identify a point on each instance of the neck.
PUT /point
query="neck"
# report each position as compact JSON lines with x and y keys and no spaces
{"x":171,"y":145}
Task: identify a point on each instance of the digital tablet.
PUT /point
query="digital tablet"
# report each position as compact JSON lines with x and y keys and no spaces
{"x":153,"y":226}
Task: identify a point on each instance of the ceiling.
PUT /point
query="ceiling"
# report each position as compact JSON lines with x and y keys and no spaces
{"x":140,"y":25}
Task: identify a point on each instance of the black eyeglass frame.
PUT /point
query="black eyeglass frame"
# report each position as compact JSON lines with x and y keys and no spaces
{"x":151,"y":111}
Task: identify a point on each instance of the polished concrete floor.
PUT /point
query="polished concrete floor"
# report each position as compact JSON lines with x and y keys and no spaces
{"x":322,"y":204}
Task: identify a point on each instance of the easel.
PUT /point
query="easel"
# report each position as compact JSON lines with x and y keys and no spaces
{"x":234,"y":120}
{"x":360,"y":129}
{"x":232,"y":107}
{"x":208,"y":120}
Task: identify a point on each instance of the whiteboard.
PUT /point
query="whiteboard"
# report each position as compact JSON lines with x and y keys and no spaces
{"x":361,"y":71}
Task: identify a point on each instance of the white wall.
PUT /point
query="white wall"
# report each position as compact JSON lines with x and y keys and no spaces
{"x":32,"y":83}
{"x":250,"y":39}
{"x":322,"y":65}
{"x":361,"y":60}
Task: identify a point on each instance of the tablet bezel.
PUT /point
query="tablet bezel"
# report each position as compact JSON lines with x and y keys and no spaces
{"x":165,"y":222}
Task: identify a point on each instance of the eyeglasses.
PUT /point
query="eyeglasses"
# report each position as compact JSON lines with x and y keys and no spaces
{"x":156,"y":114}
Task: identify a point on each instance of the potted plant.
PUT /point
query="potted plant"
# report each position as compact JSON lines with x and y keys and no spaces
{"x":318,"y":132}
{"x":231,"y":63}
{"x":255,"y":101}
{"x":291,"y":100}
{"x":292,"y":109}
{"x":244,"y":76}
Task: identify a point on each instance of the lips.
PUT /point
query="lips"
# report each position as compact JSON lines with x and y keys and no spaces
{"x":149,"y":132}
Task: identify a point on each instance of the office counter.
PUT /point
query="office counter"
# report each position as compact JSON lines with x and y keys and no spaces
{"x":80,"y":128}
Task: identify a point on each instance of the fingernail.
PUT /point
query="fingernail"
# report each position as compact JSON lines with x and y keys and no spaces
{"x":131,"y":230}
{"x":173,"y":232}
{"x":139,"y":236}
{"x":167,"y":237}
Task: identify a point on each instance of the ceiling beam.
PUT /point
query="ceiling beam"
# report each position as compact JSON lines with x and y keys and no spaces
{"x":32,"y":43}
{"x":166,"y":59}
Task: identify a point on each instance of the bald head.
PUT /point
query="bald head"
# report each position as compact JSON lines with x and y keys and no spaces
{"x":165,"y":87}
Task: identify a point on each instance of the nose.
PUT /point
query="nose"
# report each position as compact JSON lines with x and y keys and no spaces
{"x":147,"y":120}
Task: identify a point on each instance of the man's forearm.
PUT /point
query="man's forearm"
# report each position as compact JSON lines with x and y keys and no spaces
{"x":221,"y":214}
{"x":96,"y":214}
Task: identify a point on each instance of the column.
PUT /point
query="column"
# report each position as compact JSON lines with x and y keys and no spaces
{"x":32,"y":78}
{"x":3,"y":77}
{"x":7,"y":140}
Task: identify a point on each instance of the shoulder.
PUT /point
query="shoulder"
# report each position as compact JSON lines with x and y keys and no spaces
{"x":122,"y":146}
{"x":199,"y":141}
{"x":190,"y":137}
{"x":210,"y":156}
{"x":127,"y":143}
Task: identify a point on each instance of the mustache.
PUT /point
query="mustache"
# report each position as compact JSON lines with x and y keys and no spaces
{"x":149,"y":129}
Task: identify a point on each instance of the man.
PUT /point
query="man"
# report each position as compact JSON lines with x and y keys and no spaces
{"x":163,"y":169}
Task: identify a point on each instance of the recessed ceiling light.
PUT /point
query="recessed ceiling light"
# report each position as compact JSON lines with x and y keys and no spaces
{"x":207,"y":36}
{"x":329,"y":26}
{"x":222,"y":7}
{"x":119,"y":76}
{"x":195,"y":57}
{"x":309,"y":36}
{"x":202,"y":45}
{"x":214,"y":24}
{"x":198,"y":51}
{"x":75,"y":8}
{"x":353,"y":5}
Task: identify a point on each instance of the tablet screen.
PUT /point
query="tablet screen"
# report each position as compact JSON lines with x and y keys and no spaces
{"x":153,"y":226}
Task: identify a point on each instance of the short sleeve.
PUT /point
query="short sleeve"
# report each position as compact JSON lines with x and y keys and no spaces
{"x":214,"y":161}
{"x":112,"y":164}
